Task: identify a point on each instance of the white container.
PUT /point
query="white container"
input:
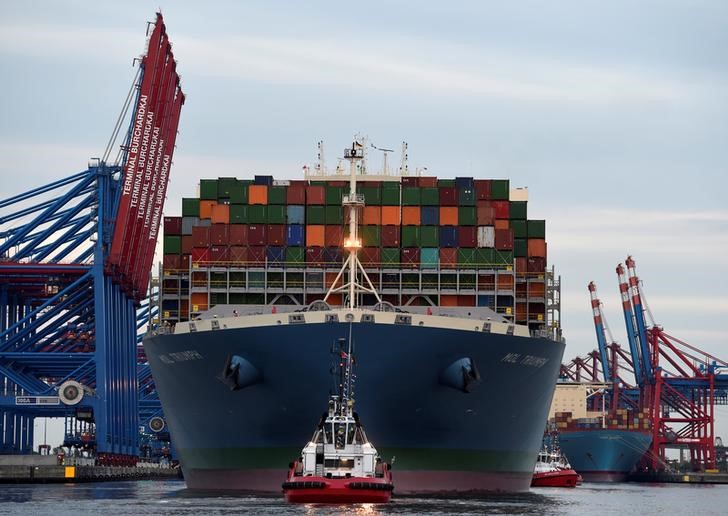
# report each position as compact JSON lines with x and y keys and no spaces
{"x":486,"y":236}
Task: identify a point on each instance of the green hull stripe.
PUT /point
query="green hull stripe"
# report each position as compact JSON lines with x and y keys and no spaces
{"x":406,"y":458}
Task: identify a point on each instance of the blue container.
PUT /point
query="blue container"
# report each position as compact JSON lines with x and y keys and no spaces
{"x":263,"y":180}
{"x":295,"y":214}
{"x":295,"y":235}
{"x":333,"y":256}
{"x":464,"y":182}
{"x":486,"y":301}
{"x":429,"y":257}
{"x":430,"y":215}
{"x":448,"y":236}
{"x":276,"y":254}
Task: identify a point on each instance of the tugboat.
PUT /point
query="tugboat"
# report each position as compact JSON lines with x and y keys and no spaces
{"x":553,"y":470}
{"x":339,"y":464}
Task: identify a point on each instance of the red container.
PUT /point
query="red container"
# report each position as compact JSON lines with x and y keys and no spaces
{"x":390,"y":236}
{"x":219,"y":234}
{"x":370,"y":256}
{"x":537,"y":247}
{"x":504,"y":239}
{"x":219,"y":253}
{"x":171,"y":261}
{"x":410,"y":257}
{"x":338,"y":183}
{"x":482,"y":189}
{"x":296,"y":194}
{"x":448,"y":257}
{"x":298,"y":182}
{"x":536,"y":264}
{"x":448,"y":196}
{"x":314,"y":255}
{"x":200,"y":236}
{"x":315,"y":195}
{"x":467,"y":236}
{"x":334,"y":236}
{"x":187,"y":244}
{"x":276,"y":234}
{"x":238,"y":234}
{"x":521,"y":265}
{"x":256,"y":235}
{"x":410,"y":181}
{"x":502,"y":209}
{"x":485,"y":213}
{"x":256,"y":255}
{"x":238,"y":254}
{"x":428,"y":182}
{"x":172,"y":225}
{"x":200,"y":254}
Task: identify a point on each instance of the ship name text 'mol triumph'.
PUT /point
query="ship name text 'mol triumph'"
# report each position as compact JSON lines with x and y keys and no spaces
{"x":458,"y":394}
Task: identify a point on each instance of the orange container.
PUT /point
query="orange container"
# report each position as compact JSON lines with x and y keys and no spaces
{"x":315,"y":236}
{"x":505,"y":281}
{"x":372,"y":215}
{"x":198,"y":300}
{"x":501,"y":224}
{"x":486,"y":282}
{"x":390,"y":215}
{"x":257,"y":194}
{"x":206,"y":209}
{"x":411,"y":215}
{"x":537,"y":247}
{"x":466,"y":300}
{"x":537,"y":289}
{"x":449,"y":216}
{"x":330,"y":277}
{"x":449,"y":299}
{"x":221,"y":214}
{"x":335,"y":300}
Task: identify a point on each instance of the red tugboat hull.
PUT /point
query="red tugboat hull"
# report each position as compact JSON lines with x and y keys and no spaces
{"x":562,"y":478}
{"x":338,"y":490}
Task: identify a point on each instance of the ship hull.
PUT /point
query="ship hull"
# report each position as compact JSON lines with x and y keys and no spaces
{"x":442,"y":439}
{"x":604,"y":455}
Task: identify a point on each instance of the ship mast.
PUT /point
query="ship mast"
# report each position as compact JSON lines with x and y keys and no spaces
{"x":355,"y":204}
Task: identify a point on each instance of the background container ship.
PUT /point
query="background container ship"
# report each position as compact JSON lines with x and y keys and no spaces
{"x":452,"y":386}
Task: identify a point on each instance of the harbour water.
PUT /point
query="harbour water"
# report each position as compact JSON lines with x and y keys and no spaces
{"x":172,"y":497}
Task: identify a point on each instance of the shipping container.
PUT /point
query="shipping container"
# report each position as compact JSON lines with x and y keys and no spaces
{"x":411,"y":215}
{"x":502,"y":224}
{"x":276,"y":214}
{"x":537,"y":247}
{"x":277,"y":195}
{"x":372,"y":195}
{"x":482,"y":189}
{"x":208,"y":189}
{"x":430,"y":215}
{"x":295,"y":214}
{"x":187,"y":244}
{"x":486,"y":236}
{"x":171,"y":262}
{"x":503,"y":239}
{"x":485,"y":213}
{"x":466,"y":216}
{"x":519,"y":228}
{"x":410,"y":236}
{"x":220,"y":214}
{"x":257,"y":256}
{"x":219,"y":234}
{"x":370,"y":236}
{"x":370,"y":256}
{"x":334,"y":236}
{"x":485,"y":257}
{"x":448,"y":216}
{"x":257,"y":194}
{"x":466,"y":196}
{"x":295,"y":255}
{"x":200,"y":255}
{"x":390,"y":236}
{"x":427,"y":182}
{"x":519,"y":210}
{"x":390,"y":194}
{"x":334,"y":215}
{"x":466,"y":257}
{"x":448,"y":258}
{"x":189,"y":222}
{"x":467,"y":236}
{"x":172,"y":225}
{"x":500,"y":189}
{"x":315,"y":235}
{"x":257,"y":214}
{"x":410,"y":257}
{"x":410,"y":181}
{"x":190,"y":207}
{"x":448,"y":236}
{"x":238,"y":234}
{"x":536,"y":229}
{"x":464,"y":182}
{"x":315,"y":256}
{"x":219,"y":253}
{"x":429,"y":236}
{"x":200,"y":236}
{"x":315,"y":195}
{"x":238,"y":255}
{"x":206,"y":209}
{"x":372,"y":215}
{"x":295,"y":235}
{"x":263,"y":180}
{"x":257,"y":234}
{"x":276,"y":234}
{"x":411,"y":197}
{"x":448,"y":196}
{"x":296,"y":194}
{"x":536,"y":265}
{"x":333,"y":256}
{"x":238,"y":214}
{"x":333,"y":195}
{"x":239,"y":193}
{"x":429,"y":257}
{"x":275,"y":254}
{"x":520,"y":247}
{"x":429,"y":197}
{"x":390,"y":256}
{"x":316,"y":215}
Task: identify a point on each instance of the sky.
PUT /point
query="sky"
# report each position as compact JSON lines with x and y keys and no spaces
{"x":613,"y":114}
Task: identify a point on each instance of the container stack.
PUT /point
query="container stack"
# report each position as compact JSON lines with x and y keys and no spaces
{"x":621,"y":419}
{"x":465,"y":241}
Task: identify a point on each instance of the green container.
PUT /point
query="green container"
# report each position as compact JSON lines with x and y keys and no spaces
{"x":390,"y":256}
{"x":315,"y":215}
{"x":276,"y":214}
{"x":257,"y":214}
{"x":410,"y":236}
{"x":467,"y":216}
{"x":190,"y":207}
{"x":466,"y":257}
{"x":429,"y":196}
{"x":172,"y":244}
{"x":429,"y":236}
{"x":536,"y":229}
{"x":208,"y":189}
{"x":370,"y":236}
{"x":429,"y":257}
{"x":226,"y":186}
{"x":295,"y":255}
{"x":390,"y":185}
{"x":411,"y":196}
{"x":333,"y":195}
{"x":390,"y":197}
{"x":466,"y":196}
{"x":520,"y":247}
{"x":484,"y":257}
{"x":239,"y":194}
{"x":276,"y":195}
{"x":500,"y":189}
{"x":334,"y":215}
{"x":238,"y":214}
{"x":518,"y":210}
{"x":503,"y":257}
{"x":372,"y":195}
{"x":519,"y":228}
{"x":445,"y":182}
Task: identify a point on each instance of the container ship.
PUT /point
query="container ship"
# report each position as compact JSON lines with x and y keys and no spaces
{"x":605,"y":447}
{"x":441,"y":285}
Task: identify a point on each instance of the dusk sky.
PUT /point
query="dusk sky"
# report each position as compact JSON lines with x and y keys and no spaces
{"x":613,"y":114}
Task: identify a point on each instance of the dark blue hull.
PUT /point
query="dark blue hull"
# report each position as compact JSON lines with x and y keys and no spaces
{"x":444,"y":439}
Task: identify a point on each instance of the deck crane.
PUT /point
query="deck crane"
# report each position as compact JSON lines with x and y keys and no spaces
{"x":599,"y":326}
{"x":639,"y":316}
{"x":630,"y":324}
